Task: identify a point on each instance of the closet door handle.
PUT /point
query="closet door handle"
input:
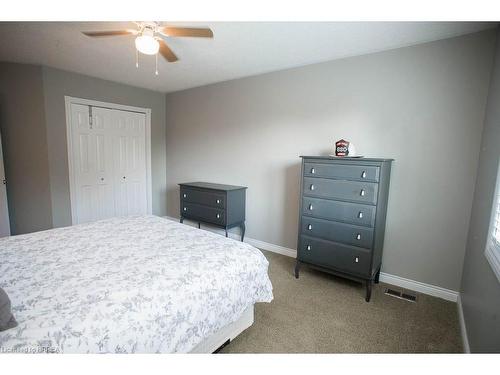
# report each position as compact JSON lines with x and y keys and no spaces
{"x":358,"y":236}
{"x":309,"y":227}
{"x":308,"y":247}
{"x":360,"y":215}
{"x":218,"y":201}
{"x":313,"y":171}
{"x":356,"y":260}
{"x":311,"y":187}
{"x":310,"y":207}
{"x":184,"y":195}
{"x":185,"y":209}
{"x":363,"y":175}
{"x":362,"y":192}
{"x":218,"y":216}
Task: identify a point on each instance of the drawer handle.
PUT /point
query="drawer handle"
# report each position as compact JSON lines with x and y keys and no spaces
{"x":312,"y":187}
{"x":313,"y":171}
{"x":310,"y":207}
{"x":358,"y":236}
{"x":185,"y":209}
{"x":362,"y":192}
{"x":218,"y":201}
{"x":356,"y":260}
{"x":218,"y":216}
{"x":308,"y":247}
{"x":309,"y":227}
{"x":363,"y":175}
{"x":184,"y":195}
{"x":360,"y":214}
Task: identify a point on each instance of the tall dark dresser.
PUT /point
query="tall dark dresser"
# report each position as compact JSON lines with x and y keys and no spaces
{"x":342,"y":216}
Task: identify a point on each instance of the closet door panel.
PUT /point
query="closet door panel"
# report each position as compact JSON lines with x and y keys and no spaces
{"x":92,"y":165}
{"x":137,"y":164}
{"x":130,"y":163}
{"x":84,"y":151}
{"x":102,"y":131}
{"x":82,"y":161}
{"x":121,"y":199}
{"x":86,"y":204}
{"x":120,"y":173}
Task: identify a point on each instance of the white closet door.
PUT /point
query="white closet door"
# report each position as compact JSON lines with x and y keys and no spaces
{"x":129,"y":146}
{"x":92,"y":163}
{"x":102,"y":133}
{"x":4,"y":208}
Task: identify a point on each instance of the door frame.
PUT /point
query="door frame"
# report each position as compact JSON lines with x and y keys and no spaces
{"x":3,"y":181}
{"x":69,"y":100}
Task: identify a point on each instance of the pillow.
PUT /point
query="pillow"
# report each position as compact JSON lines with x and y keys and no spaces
{"x":6,"y":318}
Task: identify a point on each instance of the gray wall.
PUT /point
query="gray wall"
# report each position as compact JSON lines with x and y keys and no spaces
{"x":57,"y":84}
{"x":22,"y":124}
{"x":422,"y":105}
{"x":33,"y":125}
{"x":480,"y":287}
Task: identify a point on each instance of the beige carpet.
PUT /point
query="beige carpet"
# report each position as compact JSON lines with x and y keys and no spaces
{"x":320,"y":313}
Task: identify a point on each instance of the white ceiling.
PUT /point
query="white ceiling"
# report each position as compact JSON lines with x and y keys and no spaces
{"x":237,"y":50}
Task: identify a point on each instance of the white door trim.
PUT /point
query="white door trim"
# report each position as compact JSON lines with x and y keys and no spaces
{"x":68,"y":100}
{"x":4,"y":231}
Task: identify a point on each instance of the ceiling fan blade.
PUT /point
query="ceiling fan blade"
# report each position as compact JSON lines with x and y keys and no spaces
{"x":186,"y":31}
{"x":166,"y":52}
{"x":109,"y":33}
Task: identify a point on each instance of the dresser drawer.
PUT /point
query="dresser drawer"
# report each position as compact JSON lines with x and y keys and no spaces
{"x":359,"y":214}
{"x":338,"y":232}
{"x":342,"y":171}
{"x":363,"y":192}
{"x":207,"y":198}
{"x":333,"y":255}
{"x":204,"y":213}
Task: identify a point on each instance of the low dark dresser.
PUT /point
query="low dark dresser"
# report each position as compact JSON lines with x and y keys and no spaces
{"x":215,"y":204}
{"x":342,"y":216}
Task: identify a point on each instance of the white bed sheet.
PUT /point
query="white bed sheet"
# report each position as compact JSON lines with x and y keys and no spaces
{"x":125,"y":285}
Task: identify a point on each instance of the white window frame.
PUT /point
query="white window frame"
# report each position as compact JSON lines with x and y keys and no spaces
{"x":492,"y":251}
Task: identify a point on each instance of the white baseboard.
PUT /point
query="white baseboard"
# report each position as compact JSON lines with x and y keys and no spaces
{"x":271,"y":247}
{"x":417,"y":286}
{"x":463,"y":328}
{"x":251,"y":241}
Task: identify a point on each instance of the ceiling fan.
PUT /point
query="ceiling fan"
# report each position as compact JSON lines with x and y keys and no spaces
{"x":149,"y":38}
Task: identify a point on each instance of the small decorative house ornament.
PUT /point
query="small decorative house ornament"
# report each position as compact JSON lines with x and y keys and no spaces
{"x":344,"y":148}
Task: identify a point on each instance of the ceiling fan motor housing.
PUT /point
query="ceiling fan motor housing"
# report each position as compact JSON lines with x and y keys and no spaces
{"x":148,"y":28}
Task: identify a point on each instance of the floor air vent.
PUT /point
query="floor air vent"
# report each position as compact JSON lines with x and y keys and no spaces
{"x":407,"y":296}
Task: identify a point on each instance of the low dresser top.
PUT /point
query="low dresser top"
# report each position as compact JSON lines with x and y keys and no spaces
{"x":209,"y":185}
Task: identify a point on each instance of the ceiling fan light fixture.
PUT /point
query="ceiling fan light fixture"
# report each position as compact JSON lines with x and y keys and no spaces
{"x":148,"y":41}
{"x":147,"y":44}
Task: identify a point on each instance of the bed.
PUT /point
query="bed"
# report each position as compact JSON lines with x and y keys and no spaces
{"x":140,"y":284}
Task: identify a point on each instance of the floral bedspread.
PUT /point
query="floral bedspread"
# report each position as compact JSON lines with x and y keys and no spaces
{"x":123,"y":285}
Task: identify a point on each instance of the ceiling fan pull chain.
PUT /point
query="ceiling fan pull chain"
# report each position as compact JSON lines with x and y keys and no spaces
{"x":136,"y":58}
{"x":156,"y":56}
